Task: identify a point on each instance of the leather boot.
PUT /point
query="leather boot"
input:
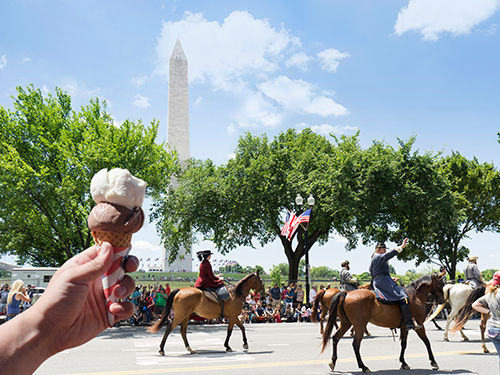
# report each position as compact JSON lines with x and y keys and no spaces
{"x":407,"y":318}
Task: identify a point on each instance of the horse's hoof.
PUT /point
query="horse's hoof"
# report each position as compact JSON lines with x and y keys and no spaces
{"x":245,"y":346}
{"x":368,"y":334}
{"x":440,"y":329}
{"x":434,"y":366}
{"x":332,"y":366}
{"x":192,"y":351}
{"x":161,"y":352}
{"x":229,"y":350}
{"x":446,"y":339}
{"x":366,"y":370}
{"x":466,"y":339}
{"x":405,"y":367}
{"x":485,"y":350}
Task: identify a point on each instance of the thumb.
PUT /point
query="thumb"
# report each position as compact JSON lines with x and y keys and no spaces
{"x":96,"y":267}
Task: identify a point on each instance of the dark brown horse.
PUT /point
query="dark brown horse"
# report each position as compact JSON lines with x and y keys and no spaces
{"x":467,"y":311}
{"x":324,"y":299}
{"x":358,"y":307}
{"x":187,"y":301}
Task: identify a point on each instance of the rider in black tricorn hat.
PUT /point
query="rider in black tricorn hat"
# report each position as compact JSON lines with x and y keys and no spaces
{"x":206,"y":278}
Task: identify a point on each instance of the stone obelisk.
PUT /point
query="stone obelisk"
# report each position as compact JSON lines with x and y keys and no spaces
{"x":178,"y":131}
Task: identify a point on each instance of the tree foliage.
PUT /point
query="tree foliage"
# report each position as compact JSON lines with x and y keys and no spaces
{"x":49,"y":154}
{"x":475,"y":189}
{"x":376,"y":194}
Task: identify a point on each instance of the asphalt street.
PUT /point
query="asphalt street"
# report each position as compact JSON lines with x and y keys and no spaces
{"x":275,"y":348}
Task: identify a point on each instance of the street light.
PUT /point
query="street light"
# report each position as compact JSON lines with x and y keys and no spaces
{"x":310,"y":201}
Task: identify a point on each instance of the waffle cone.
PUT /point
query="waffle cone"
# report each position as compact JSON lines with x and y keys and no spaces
{"x":115,"y":239}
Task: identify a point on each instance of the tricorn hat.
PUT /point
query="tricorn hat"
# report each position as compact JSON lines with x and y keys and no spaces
{"x":344,"y":263}
{"x":380,"y":245}
{"x":473,"y":257}
{"x":202,"y":254}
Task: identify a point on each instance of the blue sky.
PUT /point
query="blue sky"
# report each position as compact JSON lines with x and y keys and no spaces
{"x":389,"y":69}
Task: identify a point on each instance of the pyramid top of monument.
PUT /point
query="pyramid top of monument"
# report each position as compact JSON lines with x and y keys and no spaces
{"x":178,"y":52}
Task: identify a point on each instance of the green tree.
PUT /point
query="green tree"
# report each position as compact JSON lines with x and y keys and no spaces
{"x":322,"y":271}
{"x":49,"y":154}
{"x":375,"y":194}
{"x":475,"y":191}
{"x":276,"y":275}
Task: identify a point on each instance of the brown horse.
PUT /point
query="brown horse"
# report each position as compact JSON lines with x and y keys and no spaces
{"x":187,"y":301}
{"x":358,"y":307}
{"x":467,"y":311}
{"x":324,"y":299}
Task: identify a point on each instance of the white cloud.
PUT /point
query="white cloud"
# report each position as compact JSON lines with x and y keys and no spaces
{"x":330,"y":59}
{"x":299,"y":60}
{"x":231,"y":129}
{"x":3,"y":62}
{"x":26,"y":59}
{"x":231,"y":156}
{"x":300,"y":96}
{"x":223,"y":53}
{"x":145,"y":245}
{"x":45,"y":91}
{"x":198,"y":100}
{"x":141,"y":102}
{"x":434,"y":17}
{"x":256,"y":112}
{"x":139,"y":81}
{"x":75,"y":88}
{"x":327,"y":129}
{"x":490,"y":30}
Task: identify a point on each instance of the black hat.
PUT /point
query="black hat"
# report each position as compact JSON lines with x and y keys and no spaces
{"x":203,"y":254}
{"x":344,"y":263}
{"x":380,"y":245}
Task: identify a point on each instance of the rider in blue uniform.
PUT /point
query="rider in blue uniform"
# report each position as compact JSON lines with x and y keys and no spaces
{"x":385,"y":285}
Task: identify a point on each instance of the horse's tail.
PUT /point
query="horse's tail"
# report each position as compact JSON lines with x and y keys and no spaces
{"x":317,"y":300}
{"x":338,"y":299}
{"x":166,"y":313}
{"x":467,"y":311}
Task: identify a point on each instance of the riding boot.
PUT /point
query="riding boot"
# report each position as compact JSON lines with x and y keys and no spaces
{"x":407,"y":317}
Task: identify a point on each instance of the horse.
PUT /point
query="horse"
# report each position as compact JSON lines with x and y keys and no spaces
{"x":324,"y":298}
{"x":456,"y":295}
{"x":187,"y":301}
{"x":467,"y":311}
{"x":358,"y":307}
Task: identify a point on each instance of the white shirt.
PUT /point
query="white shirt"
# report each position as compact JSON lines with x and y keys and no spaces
{"x":312,"y":295}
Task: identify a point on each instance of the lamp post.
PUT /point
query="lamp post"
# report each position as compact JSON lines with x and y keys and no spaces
{"x":310,"y":201}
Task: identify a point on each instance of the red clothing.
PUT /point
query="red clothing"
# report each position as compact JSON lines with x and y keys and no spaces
{"x":207,"y":279}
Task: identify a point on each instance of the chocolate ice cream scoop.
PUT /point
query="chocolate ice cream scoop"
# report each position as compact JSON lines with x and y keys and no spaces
{"x":110,"y":217}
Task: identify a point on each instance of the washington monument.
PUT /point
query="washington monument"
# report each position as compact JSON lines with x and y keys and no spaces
{"x":178,"y":130}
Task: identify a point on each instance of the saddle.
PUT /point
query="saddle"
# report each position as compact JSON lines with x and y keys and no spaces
{"x":383,"y":300}
{"x":217,"y":295}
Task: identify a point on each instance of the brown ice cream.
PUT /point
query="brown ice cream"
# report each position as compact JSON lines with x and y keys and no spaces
{"x":110,"y":217}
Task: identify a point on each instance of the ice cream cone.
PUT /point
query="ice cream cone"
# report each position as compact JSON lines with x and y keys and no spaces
{"x":121,"y":243}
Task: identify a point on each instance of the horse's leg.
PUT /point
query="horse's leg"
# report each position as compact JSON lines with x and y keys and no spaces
{"x":242,"y":327}
{"x":344,"y":326}
{"x":450,"y":318}
{"x":482,"y":326}
{"x":437,"y":326}
{"x":184,"y":325}
{"x":465,"y":338}
{"x":423,"y":336}
{"x":404,"y":342}
{"x":230,"y":325}
{"x":168,"y":329}
{"x":356,"y":344}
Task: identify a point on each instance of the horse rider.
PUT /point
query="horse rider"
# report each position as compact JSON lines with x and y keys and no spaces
{"x":385,"y":285}
{"x":347,"y":282}
{"x":472,"y":273}
{"x":206,"y":277}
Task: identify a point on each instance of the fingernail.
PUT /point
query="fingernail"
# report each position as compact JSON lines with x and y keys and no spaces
{"x":120,"y":291}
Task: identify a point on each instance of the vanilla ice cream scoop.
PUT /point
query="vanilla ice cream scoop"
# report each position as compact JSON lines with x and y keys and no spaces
{"x":118,"y":186}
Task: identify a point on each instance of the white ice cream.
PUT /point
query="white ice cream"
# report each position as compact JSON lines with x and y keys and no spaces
{"x":118,"y":186}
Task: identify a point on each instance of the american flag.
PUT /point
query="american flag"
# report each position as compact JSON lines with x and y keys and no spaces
{"x":290,"y":218}
{"x":303,"y":218}
{"x":148,"y":260}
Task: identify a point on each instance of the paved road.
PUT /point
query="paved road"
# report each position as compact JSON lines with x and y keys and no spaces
{"x":285,"y":348}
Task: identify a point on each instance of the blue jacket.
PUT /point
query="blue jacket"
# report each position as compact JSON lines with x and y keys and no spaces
{"x":381,"y":278}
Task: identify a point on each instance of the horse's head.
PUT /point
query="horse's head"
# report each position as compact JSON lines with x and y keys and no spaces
{"x":258,"y":285}
{"x":437,"y":288}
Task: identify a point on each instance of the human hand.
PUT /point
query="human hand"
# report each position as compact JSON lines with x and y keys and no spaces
{"x":405,"y":243}
{"x":74,"y":307}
